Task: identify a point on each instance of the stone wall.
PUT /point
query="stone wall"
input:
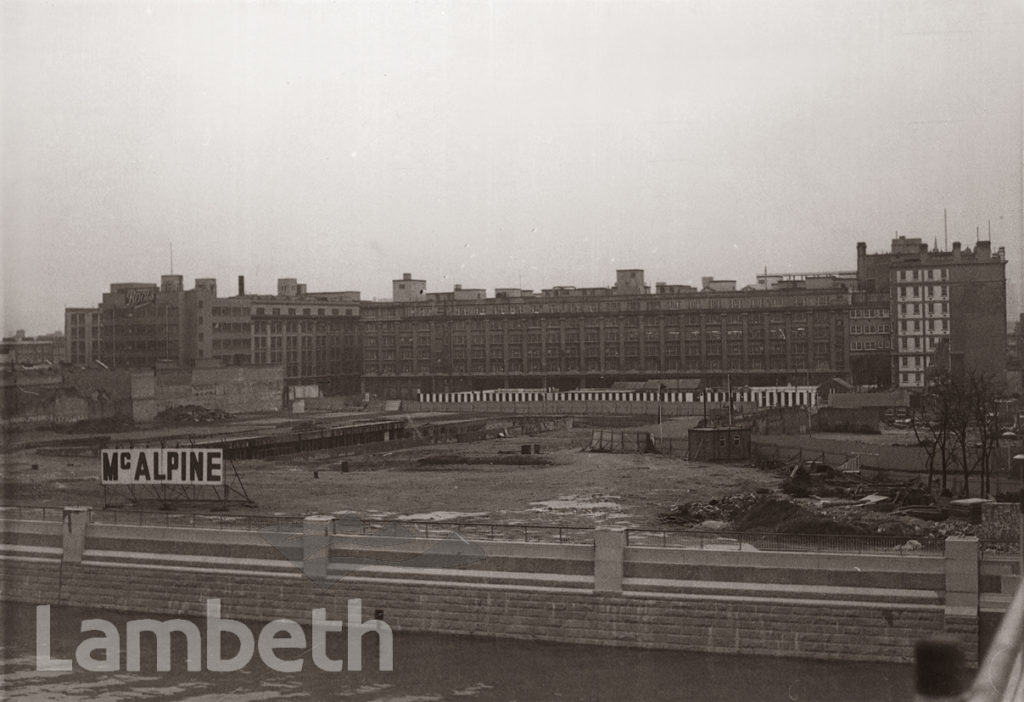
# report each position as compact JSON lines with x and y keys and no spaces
{"x":156,"y":571}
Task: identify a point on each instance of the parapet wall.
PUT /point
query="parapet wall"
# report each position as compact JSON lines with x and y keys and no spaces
{"x":601,"y":593}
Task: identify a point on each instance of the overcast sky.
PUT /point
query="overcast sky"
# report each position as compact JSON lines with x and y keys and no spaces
{"x":493,"y":144}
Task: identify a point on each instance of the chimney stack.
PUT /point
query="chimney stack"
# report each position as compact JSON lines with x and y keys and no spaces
{"x":241,"y":285}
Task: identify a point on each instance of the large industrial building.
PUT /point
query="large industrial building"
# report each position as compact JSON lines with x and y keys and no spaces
{"x":313,"y":336}
{"x":569,"y":338}
{"x":882,"y":325}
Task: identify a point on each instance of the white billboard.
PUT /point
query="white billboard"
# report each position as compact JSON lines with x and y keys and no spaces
{"x":171,"y":466}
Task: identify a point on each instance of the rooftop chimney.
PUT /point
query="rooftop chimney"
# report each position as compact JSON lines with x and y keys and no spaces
{"x":241,"y":285}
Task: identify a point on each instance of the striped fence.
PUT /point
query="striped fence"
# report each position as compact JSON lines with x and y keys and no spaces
{"x":780,"y":396}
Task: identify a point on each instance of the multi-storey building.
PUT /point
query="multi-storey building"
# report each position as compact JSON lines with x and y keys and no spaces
{"x":882,"y":325}
{"x":81,"y":335}
{"x":871,"y":337}
{"x":139,"y":325}
{"x":142,"y":325}
{"x":315,"y":336}
{"x":573,"y":338}
{"x":940,"y":299}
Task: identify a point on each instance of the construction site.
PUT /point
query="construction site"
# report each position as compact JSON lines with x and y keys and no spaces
{"x":502,"y":469}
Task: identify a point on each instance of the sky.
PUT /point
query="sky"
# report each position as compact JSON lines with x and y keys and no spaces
{"x":495,"y":144}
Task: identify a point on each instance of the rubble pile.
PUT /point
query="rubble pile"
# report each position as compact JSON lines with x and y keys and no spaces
{"x":722,"y":510}
{"x":815,"y":515}
{"x":191,"y":414}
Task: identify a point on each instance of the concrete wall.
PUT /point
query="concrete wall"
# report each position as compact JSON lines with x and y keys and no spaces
{"x":56,"y":397}
{"x":606,"y":593}
{"x":233,"y":389}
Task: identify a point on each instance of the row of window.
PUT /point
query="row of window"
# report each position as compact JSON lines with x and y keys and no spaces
{"x":305,"y":311}
{"x":928,"y":274}
{"x":935,"y":309}
{"x":596,"y":335}
{"x":741,"y":303}
{"x":858,"y":312}
{"x":882,"y":328}
{"x":938,"y":326}
{"x":917,"y":292}
{"x":916,"y":343}
{"x":911,"y":379}
{"x":870,"y":345}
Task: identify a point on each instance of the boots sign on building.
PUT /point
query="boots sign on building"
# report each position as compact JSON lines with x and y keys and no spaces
{"x":139,"y":297}
{"x":173,"y":466}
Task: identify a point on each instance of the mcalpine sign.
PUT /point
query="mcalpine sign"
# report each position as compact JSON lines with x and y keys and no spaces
{"x":173,"y":466}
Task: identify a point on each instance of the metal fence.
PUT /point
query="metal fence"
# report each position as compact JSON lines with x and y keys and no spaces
{"x":193,"y":520}
{"x":526,"y":533}
{"x":801,"y":543}
{"x":36,"y":514}
{"x":523,"y":533}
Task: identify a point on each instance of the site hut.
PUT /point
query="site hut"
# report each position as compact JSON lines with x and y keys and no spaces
{"x":719,"y":444}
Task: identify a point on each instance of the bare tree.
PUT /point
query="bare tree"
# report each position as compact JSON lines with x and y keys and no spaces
{"x":959,"y":426}
{"x":983,"y":395}
{"x":932,"y":427}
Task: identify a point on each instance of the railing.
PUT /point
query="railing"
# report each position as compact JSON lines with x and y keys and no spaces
{"x":803,"y":543}
{"x":193,"y":520}
{"x":526,"y":533}
{"x":44,"y":514}
{"x":1001,"y":675}
{"x":474,"y":531}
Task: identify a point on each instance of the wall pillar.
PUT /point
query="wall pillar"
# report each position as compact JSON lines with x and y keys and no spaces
{"x":961,"y":603}
{"x":962,"y":576}
{"x":609,"y":552}
{"x":316,"y":545}
{"x":75,"y":521}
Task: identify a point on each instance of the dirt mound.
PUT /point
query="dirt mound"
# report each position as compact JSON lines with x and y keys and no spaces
{"x":191,"y":413}
{"x":784,"y":517}
{"x":724,"y":509}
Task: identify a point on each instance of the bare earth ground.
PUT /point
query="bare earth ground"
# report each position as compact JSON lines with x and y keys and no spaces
{"x":575,"y":488}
